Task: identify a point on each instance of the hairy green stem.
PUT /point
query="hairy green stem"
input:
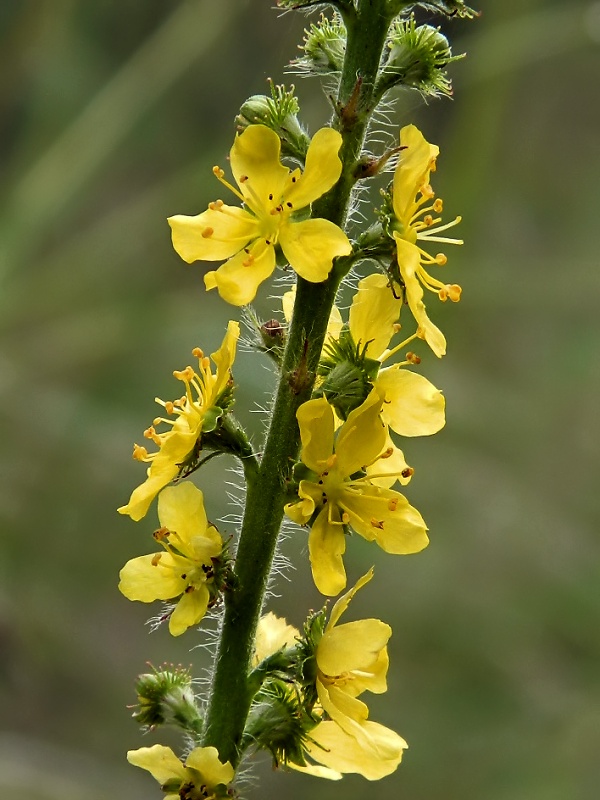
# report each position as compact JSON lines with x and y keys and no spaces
{"x":267,"y":486}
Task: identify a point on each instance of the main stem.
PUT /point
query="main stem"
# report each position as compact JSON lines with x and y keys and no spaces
{"x":266,"y":487}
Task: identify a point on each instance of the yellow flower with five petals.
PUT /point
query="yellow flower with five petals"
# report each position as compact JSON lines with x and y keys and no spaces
{"x":271,"y":194}
{"x":415,"y":211}
{"x":186,"y":568}
{"x":177,"y":444}
{"x":197,"y":779}
{"x":336,"y":498}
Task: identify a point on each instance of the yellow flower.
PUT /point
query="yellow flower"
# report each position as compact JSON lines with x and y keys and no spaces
{"x":185,"y":569}
{"x":272,"y":634}
{"x":414,"y":210}
{"x":412,"y":406}
{"x":196,"y":780}
{"x":271,"y":193}
{"x":177,"y":445}
{"x":336,"y":498}
{"x":352,"y":658}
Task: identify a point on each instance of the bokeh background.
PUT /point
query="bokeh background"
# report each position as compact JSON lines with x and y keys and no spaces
{"x":112,"y":115}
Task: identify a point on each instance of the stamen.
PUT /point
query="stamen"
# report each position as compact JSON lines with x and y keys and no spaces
{"x":207,"y":233}
{"x":156,"y":559}
{"x":413,"y":358}
{"x":438,"y":205}
{"x":393,"y":503}
{"x":408,"y":472}
{"x":398,"y":347}
{"x":197,"y":352}
{"x":377,"y":523}
{"x":216,"y":205}
{"x":140,"y":453}
{"x":441,"y":259}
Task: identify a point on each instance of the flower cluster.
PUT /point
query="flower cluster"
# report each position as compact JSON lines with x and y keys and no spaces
{"x":350,"y":385}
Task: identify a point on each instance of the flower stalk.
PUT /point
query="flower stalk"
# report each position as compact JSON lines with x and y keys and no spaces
{"x":329,"y":459}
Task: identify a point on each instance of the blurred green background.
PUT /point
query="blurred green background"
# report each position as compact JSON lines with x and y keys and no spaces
{"x":112,"y":116}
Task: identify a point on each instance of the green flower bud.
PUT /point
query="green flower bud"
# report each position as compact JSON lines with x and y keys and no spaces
{"x":279,"y":723}
{"x":417,"y":59}
{"x":278,"y":112}
{"x":165,"y":697}
{"x":347,"y":373}
{"x":324,"y":47}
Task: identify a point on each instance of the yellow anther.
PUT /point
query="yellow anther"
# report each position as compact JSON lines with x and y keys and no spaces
{"x":441,"y":259}
{"x":218,"y":172}
{"x":156,"y":421}
{"x":217,"y":205}
{"x":427,"y":191}
{"x":139,"y":453}
{"x":249,"y":261}
{"x":197,"y":352}
{"x":207,"y":233}
{"x":397,"y":327}
{"x":161,"y":533}
{"x":243,"y":178}
{"x":156,"y":559}
{"x":205,"y":363}
{"x":454,"y":292}
{"x":377,"y":523}
{"x":149,"y":433}
{"x":387,"y":453}
{"x":345,"y":518}
{"x":438,"y":206}
{"x":393,"y":503}
{"x":331,"y":461}
{"x":184,"y":374}
{"x":427,"y":219}
{"x":443,"y":294}
{"x":169,"y":407}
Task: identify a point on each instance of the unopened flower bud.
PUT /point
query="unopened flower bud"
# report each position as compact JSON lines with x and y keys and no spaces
{"x":278,"y":112}
{"x":165,"y":697}
{"x":417,"y":59}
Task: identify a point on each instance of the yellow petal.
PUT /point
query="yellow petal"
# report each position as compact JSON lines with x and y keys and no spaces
{"x":213,"y":235}
{"x":256,"y":168}
{"x":224,"y":358}
{"x":413,"y":169}
{"x":316,"y":771}
{"x":386,"y":517}
{"x":361,"y":439}
{"x":342,"y":604}
{"x":174,"y":449}
{"x":373,"y":312}
{"x":189,"y":610}
{"x":412,"y":405}
{"x":326,"y":546}
{"x":323,"y":168}
{"x":341,"y":752}
{"x":181,"y":510}
{"x":315,"y":418}
{"x":311,"y":245}
{"x":161,"y":762}
{"x":238,"y":279}
{"x":408,"y":262}
{"x":352,"y":646}
{"x":151,"y":577}
{"x":272,"y":634}
{"x":205,"y":760}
